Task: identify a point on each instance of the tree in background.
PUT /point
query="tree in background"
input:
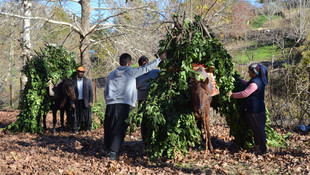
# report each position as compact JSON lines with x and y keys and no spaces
{"x":55,"y":23}
{"x":241,"y":15}
{"x":10,"y":50}
{"x":299,"y":21}
{"x":25,"y":41}
{"x":294,"y":29}
{"x":11,"y":41}
{"x":56,"y":34}
{"x":271,"y":8}
{"x":215,"y":12}
{"x":140,"y":39}
{"x":81,"y":23}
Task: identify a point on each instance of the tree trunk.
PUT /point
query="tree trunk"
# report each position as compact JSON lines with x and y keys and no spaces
{"x":10,"y":68}
{"x":85,"y":37}
{"x":25,"y":41}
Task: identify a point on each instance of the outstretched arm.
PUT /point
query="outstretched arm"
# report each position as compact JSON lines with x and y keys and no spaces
{"x":148,"y":67}
{"x":247,"y":92}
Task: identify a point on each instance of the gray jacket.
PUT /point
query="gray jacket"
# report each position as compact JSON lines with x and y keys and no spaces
{"x":121,"y":83}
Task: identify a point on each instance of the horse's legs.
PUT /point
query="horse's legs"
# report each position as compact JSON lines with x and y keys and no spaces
{"x":200,"y":125}
{"x":62,"y":120}
{"x":44,"y":121}
{"x":205,"y":130}
{"x":208,"y":133}
{"x":54,"y":120}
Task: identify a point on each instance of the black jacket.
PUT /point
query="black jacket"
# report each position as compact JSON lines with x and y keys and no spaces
{"x":87,"y":91}
{"x":255,"y":102}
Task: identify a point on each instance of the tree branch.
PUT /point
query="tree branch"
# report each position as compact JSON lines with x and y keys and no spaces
{"x":93,"y":28}
{"x":108,"y":26}
{"x":75,"y":28}
{"x":77,"y":1}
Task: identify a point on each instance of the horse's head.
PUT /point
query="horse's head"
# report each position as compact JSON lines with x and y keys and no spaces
{"x":69,"y":88}
{"x":201,"y":97}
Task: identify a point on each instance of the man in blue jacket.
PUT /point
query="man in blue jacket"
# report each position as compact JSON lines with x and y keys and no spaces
{"x":121,"y":93}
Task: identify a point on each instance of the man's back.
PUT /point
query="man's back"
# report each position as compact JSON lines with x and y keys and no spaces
{"x":143,"y":82}
{"x":121,"y":85}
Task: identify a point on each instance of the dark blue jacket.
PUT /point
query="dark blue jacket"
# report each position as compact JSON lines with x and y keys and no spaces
{"x":255,"y":102}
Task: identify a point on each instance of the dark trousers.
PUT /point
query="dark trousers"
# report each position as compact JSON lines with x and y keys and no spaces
{"x":143,"y":129}
{"x":143,"y":124}
{"x":257,"y":122}
{"x":83,"y":115}
{"x":115,"y":126}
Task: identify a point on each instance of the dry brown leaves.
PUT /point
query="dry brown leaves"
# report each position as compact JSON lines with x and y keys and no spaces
{"x":66,"y":153}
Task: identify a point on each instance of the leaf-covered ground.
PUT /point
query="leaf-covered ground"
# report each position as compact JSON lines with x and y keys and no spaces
{"x":67,"y":153}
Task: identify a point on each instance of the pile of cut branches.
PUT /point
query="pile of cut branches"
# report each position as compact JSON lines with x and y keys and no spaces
{"x":51,"y":64}
{"x":167,"y":110}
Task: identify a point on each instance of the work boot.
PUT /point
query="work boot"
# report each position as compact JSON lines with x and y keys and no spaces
{"x":262,"y":151}
{"x":112,"y":155}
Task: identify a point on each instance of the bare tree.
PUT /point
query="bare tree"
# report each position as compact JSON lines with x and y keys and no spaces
{"x":215,"y":12}
{"x":295,"y":28}
{"x":25,"y":40}
{"x":82,"y":26}
{"x":240,"y":19}
{"x":10,"y":48}
{"x":143,"y":38}
{"x":85,"y":28}
{"x":299,"y":21}
{"x":271,"y":8}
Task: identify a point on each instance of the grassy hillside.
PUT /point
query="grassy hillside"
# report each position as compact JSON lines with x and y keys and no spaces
{"x":262,"y":53}
{"x":250,"y":51}
{"x":261,"y":21}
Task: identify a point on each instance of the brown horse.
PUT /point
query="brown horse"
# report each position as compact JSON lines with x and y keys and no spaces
{"x":62,"y":100}
{"x":201,"y":100}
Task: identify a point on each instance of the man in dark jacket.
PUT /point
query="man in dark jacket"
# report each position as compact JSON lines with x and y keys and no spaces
{"x":84,"y":102}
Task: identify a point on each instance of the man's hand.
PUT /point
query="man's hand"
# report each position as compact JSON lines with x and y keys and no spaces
{"x":73,"y":106}
{"x":90,"y":104}
{"x":163,"y":56}
{"x":230,"y":94}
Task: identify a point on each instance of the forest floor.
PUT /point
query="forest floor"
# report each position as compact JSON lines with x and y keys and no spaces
{"x":83,"y":153}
